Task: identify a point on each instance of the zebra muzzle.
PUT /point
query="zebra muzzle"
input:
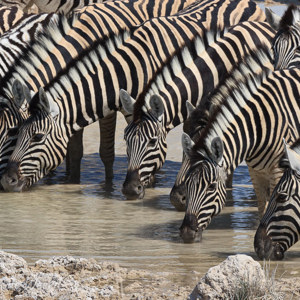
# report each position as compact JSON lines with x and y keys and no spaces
{"x":177,"y":197}
{"x":11,"y":180}
{"x":189,"y":231}
{"x":132,"y":186}
{"x":264,"y":246}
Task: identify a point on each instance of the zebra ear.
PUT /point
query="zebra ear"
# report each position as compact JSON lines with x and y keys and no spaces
{"x":20,"y":93}
{"x":293,"y":158}
{"x":290,"y":17}
{"x":216,"y":149}
{"x":272,"y":18}
{"x":127,"y":101}
{"x":187,"y":143}
{"x":190,"y":108}
{"x":49,"y":106}
{"x":157,"y":106}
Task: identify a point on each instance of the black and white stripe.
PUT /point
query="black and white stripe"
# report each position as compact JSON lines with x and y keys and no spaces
{"x":193,"y":73}
{"x":252,"y":116}
{"x":9,"y":17}
{"x":93,"y":24}
{"x":279,"y":228}
{"x":99,"y":72}
{"x":286,"y":42}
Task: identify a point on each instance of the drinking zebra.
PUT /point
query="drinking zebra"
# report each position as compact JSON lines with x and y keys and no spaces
{"x":134,"y":57}
{"x":279,"y":228}
{"x":93,"y":23}
{"x":191,"y":76}
{"x":252,"y":115}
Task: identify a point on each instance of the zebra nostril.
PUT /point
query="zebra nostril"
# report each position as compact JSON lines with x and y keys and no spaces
{"x":140,"y":188}
{"x":12,"y":180}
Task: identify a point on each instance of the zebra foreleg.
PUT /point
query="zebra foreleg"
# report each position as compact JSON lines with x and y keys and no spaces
{"x":74,"y":156}
{"x":107,"y":143}
{"x":261,"y":183}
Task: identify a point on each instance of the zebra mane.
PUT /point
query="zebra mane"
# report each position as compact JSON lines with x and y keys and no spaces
{"x":48,"y":40}
{"x":38,"y":47}
{"x":174,"y":66}
{"x":243,"y":79}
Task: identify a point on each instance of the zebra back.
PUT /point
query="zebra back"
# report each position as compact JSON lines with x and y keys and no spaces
{"x":10,"y":16}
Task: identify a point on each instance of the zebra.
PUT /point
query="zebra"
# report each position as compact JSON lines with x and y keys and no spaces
{"x":286,"y":42}
{"x":111,"y":17}
{"x":197,"y":77}
{"x":137,"y":53}
{"x":177,"y":195}
{"x":251,"y":115}
{"x":9,"y":17}
{"x":279,"y":227}
{"x":49,"y":6}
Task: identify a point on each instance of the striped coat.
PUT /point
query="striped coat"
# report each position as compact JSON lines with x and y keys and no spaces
{"x":81,"y":79}
{"x":91,"y":24}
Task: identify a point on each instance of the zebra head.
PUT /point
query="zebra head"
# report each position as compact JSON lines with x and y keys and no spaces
{"x":146,"y":145}
{"x":39,"y":148}
{"x":286,"y":43}
{"x":205,"y":184}
{"x":13,"y":112}
{"x":279,"y":228}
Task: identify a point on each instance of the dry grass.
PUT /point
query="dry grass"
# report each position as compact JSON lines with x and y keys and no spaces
{"x":258,"y":288}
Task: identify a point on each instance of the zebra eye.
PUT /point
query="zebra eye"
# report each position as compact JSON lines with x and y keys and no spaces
{"x":152,"y":142}
{"x":212,"y":186}
{"x":13,"y":131}
{"x":37,"y":137}
{"x":281,"y":197}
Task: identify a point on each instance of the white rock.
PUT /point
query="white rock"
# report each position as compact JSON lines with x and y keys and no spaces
{"x":223,"y":278}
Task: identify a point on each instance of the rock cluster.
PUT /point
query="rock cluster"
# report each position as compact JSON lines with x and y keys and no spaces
{"x":68,"y":278}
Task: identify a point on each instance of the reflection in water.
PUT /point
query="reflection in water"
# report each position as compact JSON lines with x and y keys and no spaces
{"x":93,"y":219}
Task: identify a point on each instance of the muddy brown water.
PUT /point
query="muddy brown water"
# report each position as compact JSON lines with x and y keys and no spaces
{"x":93,"y":219}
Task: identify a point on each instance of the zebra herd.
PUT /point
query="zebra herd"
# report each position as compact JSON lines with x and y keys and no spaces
{"x":217,"y":66}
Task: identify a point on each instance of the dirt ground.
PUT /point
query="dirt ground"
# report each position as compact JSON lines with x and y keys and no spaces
{"x":66,"y":277}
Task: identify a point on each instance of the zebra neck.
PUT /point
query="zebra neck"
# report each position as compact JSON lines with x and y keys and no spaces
{"x":253,"y":120}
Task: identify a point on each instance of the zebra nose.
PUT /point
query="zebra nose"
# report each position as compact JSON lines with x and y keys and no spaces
{"x":132,"y":186}
{"x":177,"y":197}
{"x":264,"y":247}
{"x":10,"y":178}
{"x":188,"y":230}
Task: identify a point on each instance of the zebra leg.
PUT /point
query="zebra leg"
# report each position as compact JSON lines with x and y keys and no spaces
{"x":74,"y":156}
{"x":229,"y":180}
{"x":261,"y":183}
{"x":107,"y":143}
